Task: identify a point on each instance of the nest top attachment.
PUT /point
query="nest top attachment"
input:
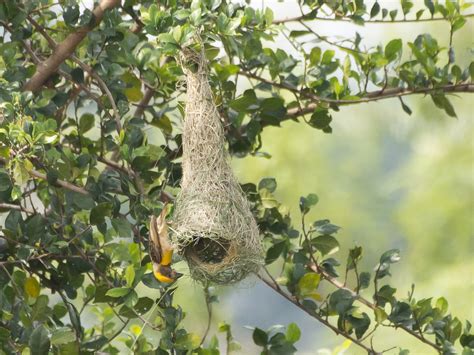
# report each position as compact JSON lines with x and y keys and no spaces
{"x":215,"y":230}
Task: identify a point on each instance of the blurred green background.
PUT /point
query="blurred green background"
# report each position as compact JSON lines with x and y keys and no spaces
{"x":389,"y":179}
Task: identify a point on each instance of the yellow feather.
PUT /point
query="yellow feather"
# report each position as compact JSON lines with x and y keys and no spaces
{"x":162,"y":278}
{"x":167,"y":257}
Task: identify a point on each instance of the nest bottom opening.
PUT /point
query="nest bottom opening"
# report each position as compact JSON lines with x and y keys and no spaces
{"x":207,"y":250}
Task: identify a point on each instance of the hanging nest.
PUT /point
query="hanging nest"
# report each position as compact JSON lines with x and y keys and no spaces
{"x":214,"y":228}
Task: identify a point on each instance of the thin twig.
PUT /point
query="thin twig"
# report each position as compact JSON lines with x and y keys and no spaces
{"x":307,"y":17}
{"x":207,"y":297}
{"x":366,"y":302}
{"x":67,"y":47}
{"x":295,"y":301}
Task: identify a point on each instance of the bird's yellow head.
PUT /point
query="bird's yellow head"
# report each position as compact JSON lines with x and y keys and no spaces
{"x":165,"y":274}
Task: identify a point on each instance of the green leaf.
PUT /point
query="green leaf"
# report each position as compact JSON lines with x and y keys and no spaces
{"x":129,"y":275}
{"x":393,"y":49}
{"x":391,"y":256}
{"x":32,"y":287}
{"x":86,"y":122}
{"x":380,"y":315}
{"x":63,"y":336}
{"x":77,"y":75}
{"x":269,"y":184}
{"x":326,"y":244}
{"x":327,"y":56}
{"x":315,"y":56}
{"x":442,"y":305}
{"x":364,"y":280}
{"x":453,"y":330}
{"x":442,"y":102}
{"x":274,"y":252}
{"x":458,"y":23}
{"x":71,"y":15}
{"x":39,"y":341}
{"x":5,"y":181}
{"x":246,"y":102}
{"x":188,"y":341}
{"x":122,"y":227}
{"x":405,"y":107}
{"x":401,"y":314}
{"x":99,"y":212}
{"x":260,"y":337}
{"x":375,"y":10}
{"x":324,"y":226}
{"x":308,"y":284}
{"x":341,"y":300}
{"x":273,"y":110}
{"x":268,"y":201}
{"x":320,"y":119}
{"x":307,"y":202}
{"x":385,"y":295}
{"x":429,"y":4}
{"x":293,"y":333}
{"x":299,"y":33}
{"x":118,"y":292}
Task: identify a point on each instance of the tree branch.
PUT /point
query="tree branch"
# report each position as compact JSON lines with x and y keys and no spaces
{"x":11,"y":206}
{"x":307,"y":17}
{"x":87,"y":68}
{"x":368,"y":97}
{"x":61,"y":183}
{"x":366,"y":302}
{"x":67,"y":47}
{"x":296,"y":302}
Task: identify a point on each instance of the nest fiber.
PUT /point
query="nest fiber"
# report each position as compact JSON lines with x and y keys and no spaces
{"x":215,"y":230}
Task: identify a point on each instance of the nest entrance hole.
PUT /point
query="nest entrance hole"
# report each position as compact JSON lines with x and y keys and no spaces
{"x":208,"y":250}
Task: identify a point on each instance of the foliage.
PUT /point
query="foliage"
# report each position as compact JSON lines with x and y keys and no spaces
{"x":88,"y":154}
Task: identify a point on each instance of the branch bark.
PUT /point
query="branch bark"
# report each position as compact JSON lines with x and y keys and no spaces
{"x":315,"y":100}
{"x":367,"y":303}
{"x":306,"y":17}
{"x":67,"y":47}
{"x":295,"y":301}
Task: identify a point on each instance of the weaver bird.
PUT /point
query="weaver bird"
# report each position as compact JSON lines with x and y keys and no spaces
{"x":161,"y":250}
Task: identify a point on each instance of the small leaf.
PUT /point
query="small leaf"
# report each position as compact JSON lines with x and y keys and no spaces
{"x":320,"y":119}
{"x":5,"y":181}
{"x":326,"y":244}
{"x":267,"y":183}
{"x":274,"y":252}
{"x":32,"y":287}
{"x":393,"y":49}
{"x":380,"y":315}
{"x":71,"y":14}
{"x":405,"y":107}
{"x":118,"y":292}
{"x":307,"y":202}
{"x":260,"y":337}
{"x":63,"y":336}
{"x":391,"y":256}
{"x":77,"y":75}
{"x":293,"y":333}
{"x":308,"y":283}
{"x":441,"y":101}
{"x":39,"y":341}
{"x":129,"y":275}
{"x":325,"y":227}
{"x":375,"y":10}
{"x":341,"y":300}
{"x":86,"y":122}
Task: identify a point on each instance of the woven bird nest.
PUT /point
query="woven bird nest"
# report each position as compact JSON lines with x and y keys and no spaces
{"x":214,"y":228}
